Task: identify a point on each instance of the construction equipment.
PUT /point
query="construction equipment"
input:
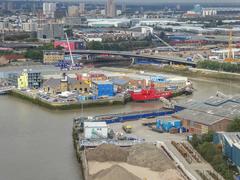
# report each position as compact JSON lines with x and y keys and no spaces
{"x":230,"y":57}
{"x":127,"y":128}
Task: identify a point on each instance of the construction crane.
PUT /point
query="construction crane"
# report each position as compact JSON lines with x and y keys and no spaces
{"x":66,"y":65}
{"x":230,"y":58}
{"x":164,"y":42}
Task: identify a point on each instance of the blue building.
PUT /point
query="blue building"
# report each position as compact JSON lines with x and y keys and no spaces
{"x":230,"y":145}
{"x":102,"y":88}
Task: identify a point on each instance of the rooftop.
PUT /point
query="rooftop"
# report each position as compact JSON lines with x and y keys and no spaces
{"x":197,"y":116}
{"x":227,"y":107}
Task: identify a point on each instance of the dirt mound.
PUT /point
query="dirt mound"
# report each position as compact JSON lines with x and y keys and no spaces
{"x":107,"y":152}
{"x":115,"y":172}
{"x":170,"y":174}
{"x":148,"y":155}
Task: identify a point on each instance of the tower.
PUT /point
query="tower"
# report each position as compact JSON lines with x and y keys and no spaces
{"x":111,"y":8}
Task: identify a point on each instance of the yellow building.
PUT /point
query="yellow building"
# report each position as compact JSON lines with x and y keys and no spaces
{"x":22,"y":81}
{"x":52,"y":56}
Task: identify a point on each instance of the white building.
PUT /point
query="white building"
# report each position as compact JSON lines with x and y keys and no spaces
{"x":49,"y":9}
{"x":30,"y":26}
{"x":209,"y":12}
{"x":95,"y":130}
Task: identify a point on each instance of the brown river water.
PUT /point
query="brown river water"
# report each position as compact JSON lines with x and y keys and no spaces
{"x":36,"y":143}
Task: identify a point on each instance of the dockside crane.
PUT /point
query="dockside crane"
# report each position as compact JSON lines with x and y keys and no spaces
{"x":230,"y":58}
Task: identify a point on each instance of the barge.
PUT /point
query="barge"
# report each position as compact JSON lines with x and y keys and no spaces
{"x":130,"y":116}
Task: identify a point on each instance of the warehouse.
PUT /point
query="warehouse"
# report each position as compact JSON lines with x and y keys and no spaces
{"x":214,"y":113}
{"x":200,"y":122}
{"x":230,"y":142}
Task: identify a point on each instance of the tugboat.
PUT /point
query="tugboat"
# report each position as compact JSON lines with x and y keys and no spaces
{"x":150,"y":94}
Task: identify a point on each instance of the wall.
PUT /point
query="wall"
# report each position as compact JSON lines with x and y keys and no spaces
{"x":220,"y":125}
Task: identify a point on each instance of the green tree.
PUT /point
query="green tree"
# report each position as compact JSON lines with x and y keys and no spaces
{"x":234,"y":126}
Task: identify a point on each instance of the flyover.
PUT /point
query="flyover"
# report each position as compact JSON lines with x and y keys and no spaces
{"x":170,"y":60}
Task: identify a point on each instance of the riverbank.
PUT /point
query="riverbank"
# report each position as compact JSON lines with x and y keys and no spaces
{"x":191,"y":73}
{"x":67,"y":106}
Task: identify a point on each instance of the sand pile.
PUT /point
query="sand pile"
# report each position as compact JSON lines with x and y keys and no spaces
{"x":115,"y":172}
{"x":170,"y":174}
{"x":148,"y":155}
{"x":107,"y":152}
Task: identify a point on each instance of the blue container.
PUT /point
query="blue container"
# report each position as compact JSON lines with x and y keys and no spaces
{"x":177,"y":123}
{"x":158,"y":124}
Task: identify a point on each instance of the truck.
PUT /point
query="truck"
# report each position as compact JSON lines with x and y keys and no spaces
{"x":127,"y":128}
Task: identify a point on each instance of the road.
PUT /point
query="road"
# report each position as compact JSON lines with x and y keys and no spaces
{"x":133,"y":54}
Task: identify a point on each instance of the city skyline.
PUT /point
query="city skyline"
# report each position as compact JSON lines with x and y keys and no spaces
{"x":143,"y":1}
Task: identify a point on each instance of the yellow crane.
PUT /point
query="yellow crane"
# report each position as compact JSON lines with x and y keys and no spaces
{"x":230,"y":58}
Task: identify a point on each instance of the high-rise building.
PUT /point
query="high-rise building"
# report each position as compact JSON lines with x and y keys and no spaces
{"x":82,"y":8}
{"x":111,"y":8}
{"x":73,"y":11}
{"x":49,"y":10}
{"x":51,"y":31}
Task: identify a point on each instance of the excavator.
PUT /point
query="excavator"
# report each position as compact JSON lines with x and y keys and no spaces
{"x":230,"y":58}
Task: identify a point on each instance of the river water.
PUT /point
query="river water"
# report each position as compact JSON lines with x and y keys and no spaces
{"x":36,"y":144}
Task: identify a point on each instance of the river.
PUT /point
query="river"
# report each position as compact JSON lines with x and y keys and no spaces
{"x":36,"y":144}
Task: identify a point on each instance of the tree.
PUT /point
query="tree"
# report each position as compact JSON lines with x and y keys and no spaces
{"x":234,"y":126}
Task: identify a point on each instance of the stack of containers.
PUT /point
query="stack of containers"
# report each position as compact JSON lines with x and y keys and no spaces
{"x":168,"y":124}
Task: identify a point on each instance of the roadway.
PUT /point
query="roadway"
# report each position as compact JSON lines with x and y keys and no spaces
{"x":174,"y":60}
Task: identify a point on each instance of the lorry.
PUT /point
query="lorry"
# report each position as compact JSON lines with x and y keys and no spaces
{"x":127,"y":128}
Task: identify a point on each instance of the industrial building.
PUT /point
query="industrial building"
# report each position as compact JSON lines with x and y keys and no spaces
{"x":230,"y":142}
{"x":26,"y":79}
{"x":214,"y":113}
{"x":74,"y":44}
{"x":102,"y":88}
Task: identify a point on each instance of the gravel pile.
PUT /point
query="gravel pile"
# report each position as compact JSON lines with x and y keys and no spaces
{"x":148,"y":155}
{"x":115,"y":172}
{"x":107,"y":152}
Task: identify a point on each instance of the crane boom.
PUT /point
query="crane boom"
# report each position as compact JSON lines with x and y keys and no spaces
{"x":69,"y":48}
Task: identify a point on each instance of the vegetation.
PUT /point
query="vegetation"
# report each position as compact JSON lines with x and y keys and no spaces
{"x":213,"y":154}
{"x":234,"y":126}
{"x":37,"y":53}
{"x":213,"y":65}
{"x":184,"y":71}
{"x":119,"y":46}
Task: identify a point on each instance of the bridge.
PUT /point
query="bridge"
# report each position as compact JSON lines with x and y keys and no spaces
{"x":170,"y":60}
{"x":6,"y":89}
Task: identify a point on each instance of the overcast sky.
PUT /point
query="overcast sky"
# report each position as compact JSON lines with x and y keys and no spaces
{"x":148,"y":1}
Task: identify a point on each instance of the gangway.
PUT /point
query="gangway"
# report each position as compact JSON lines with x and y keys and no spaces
{"x":5,"y":89}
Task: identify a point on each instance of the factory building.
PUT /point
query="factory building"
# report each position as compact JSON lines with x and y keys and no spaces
{"x":214,"y":114}
{"x":230,"y":142}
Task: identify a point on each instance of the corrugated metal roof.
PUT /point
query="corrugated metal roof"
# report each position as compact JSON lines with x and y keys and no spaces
{"x":199,"y":117}
{"x":228,"y":107}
